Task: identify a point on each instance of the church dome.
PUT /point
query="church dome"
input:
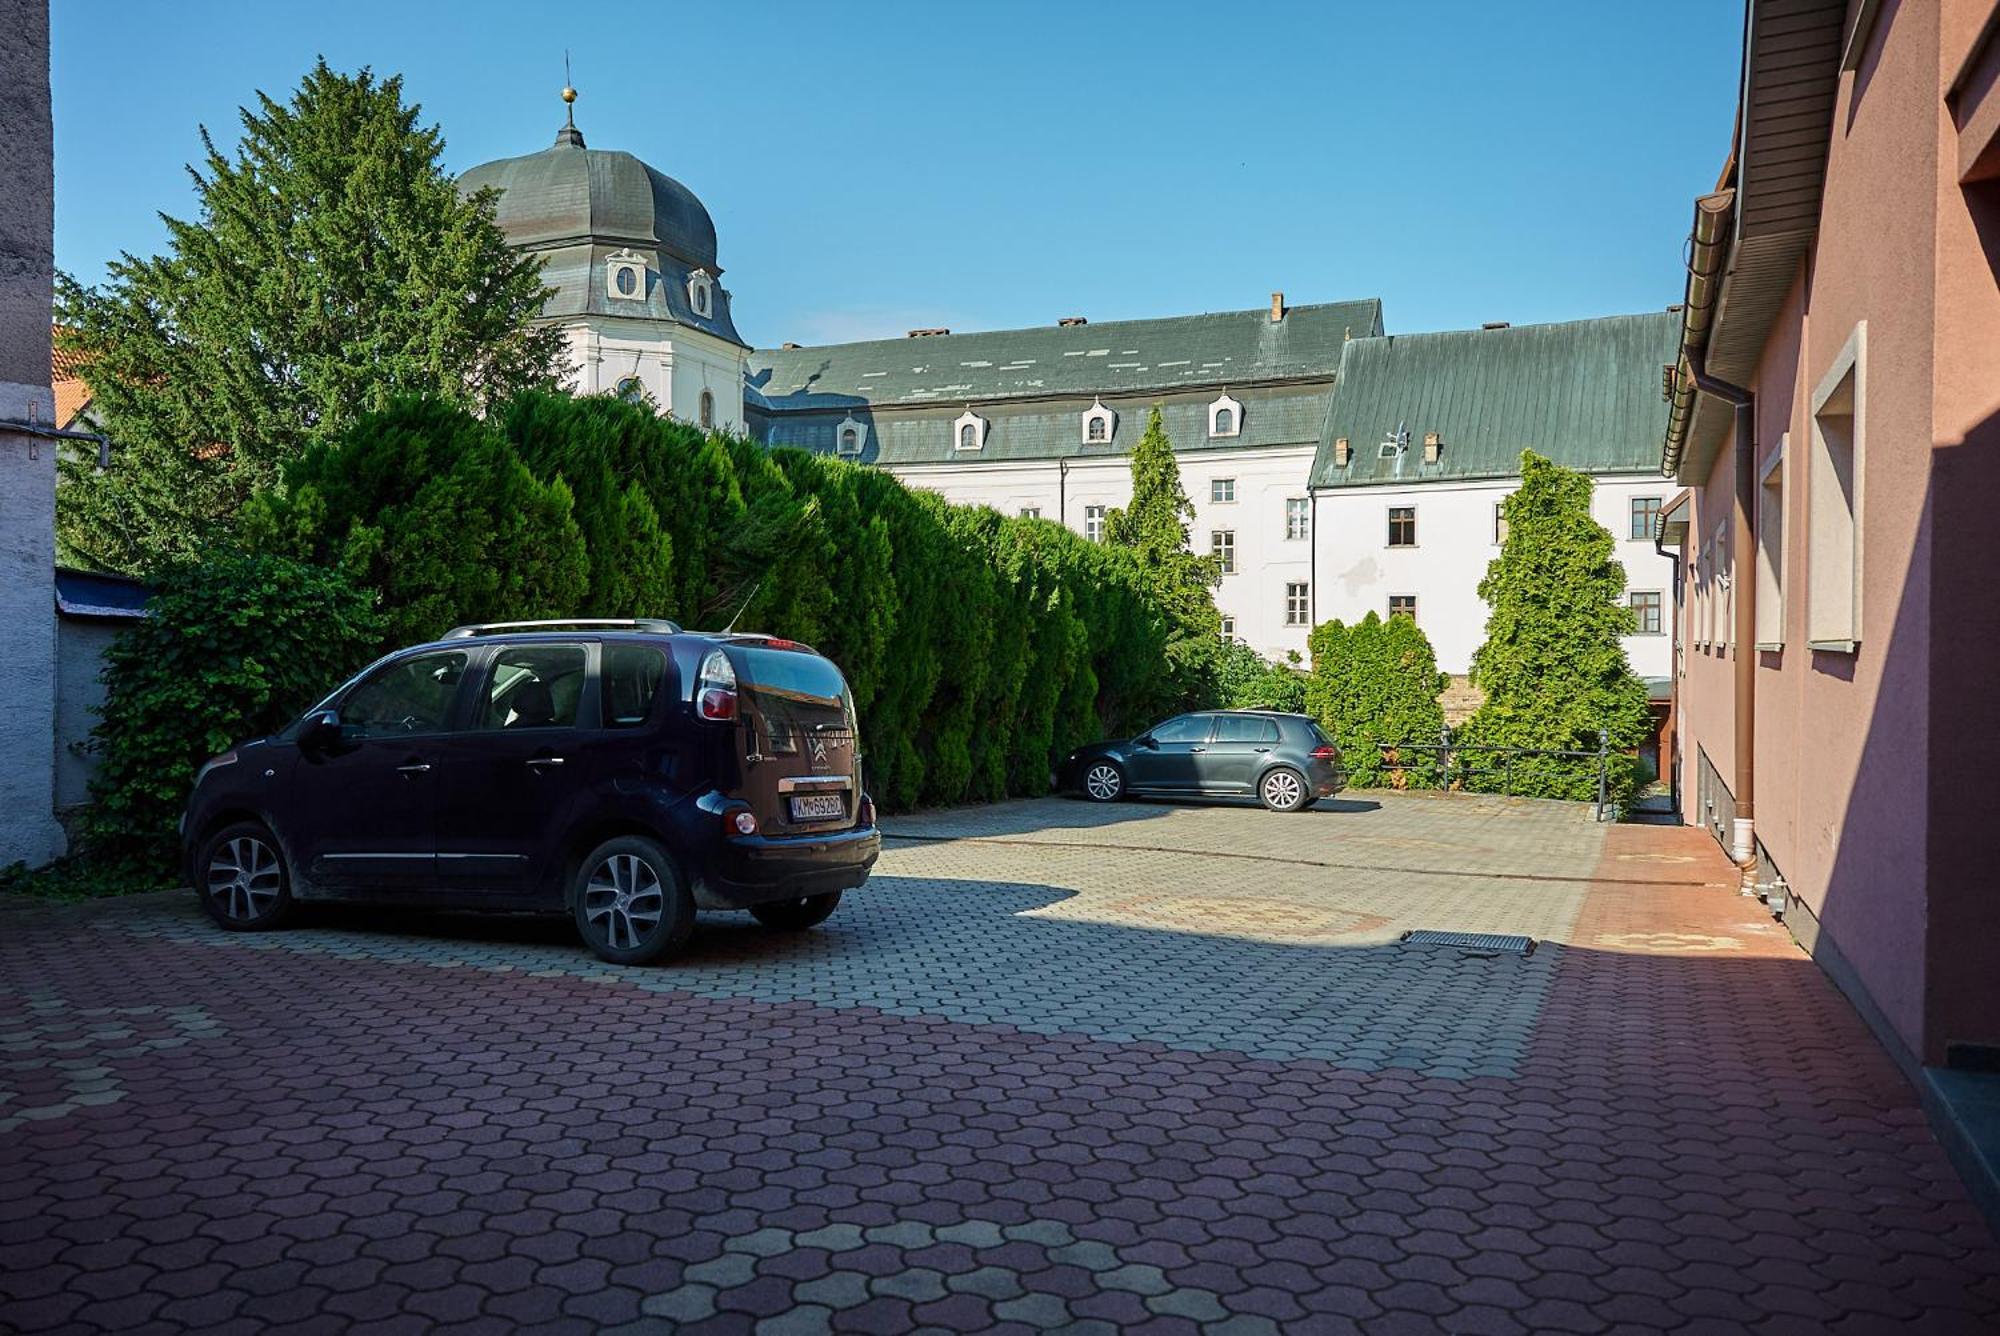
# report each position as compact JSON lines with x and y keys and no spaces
{"x":569,"y":194}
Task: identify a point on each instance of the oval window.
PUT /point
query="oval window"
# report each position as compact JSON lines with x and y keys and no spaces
{"x":627,"y":280}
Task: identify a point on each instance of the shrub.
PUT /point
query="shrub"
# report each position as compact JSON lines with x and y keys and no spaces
{"x":1245,"y":680}
{"x":232,"y":648}
{"x":1553,"y":666}
{"x":1375,"y":685}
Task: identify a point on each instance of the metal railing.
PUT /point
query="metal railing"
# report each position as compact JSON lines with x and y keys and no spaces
{"x":1456,"y":765}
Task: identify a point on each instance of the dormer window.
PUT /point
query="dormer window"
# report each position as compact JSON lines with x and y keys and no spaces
{"x":1099,"y":423}
{"x":850,"y":436}
{"x":1225,"y":418}
{"x":625,"y":277}
{"x":968,"y":432}
{"x":701,"y":293}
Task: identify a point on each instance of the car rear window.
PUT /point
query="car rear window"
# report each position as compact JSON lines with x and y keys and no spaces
{"x":789,"y":674}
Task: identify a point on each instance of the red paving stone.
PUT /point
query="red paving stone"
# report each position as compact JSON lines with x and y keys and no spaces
{"x":211,"y":1133}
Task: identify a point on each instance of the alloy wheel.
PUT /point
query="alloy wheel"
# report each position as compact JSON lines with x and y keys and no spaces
{"x":1103,"y":782}
{"x":1283,"y":791}
{"x":624,"y":900}
{"x":244,"y":878}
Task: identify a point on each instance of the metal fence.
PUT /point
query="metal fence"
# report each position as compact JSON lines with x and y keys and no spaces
{"x":1457,"y":765}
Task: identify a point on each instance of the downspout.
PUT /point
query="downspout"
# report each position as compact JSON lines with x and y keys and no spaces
{"x":1672,"y":764}
{"x":1062,"y":489}
{"x":1312,"y":566}
{"x":1743,"y":602}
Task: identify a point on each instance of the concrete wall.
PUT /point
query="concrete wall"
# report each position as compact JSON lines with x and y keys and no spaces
{"x":1266,"y":561}
{"x":28,"y":829}
{"x":1359,"y":571}
{"x":674,"y":364}
{"x":80,"y":647}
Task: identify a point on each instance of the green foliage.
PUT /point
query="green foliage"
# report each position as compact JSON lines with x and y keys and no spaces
{"x":1245,"y":680}
{"x":978,"y":647}
{"x":332,"y":265}
{"x":1374,"y":686}
{"x":1553,"y":667}
{"x":432,"y":508}
{"x":234,"y":647}
{"x":1154,"y":528}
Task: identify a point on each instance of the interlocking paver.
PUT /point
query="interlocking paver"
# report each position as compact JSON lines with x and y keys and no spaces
{"x":1157,"y":1068}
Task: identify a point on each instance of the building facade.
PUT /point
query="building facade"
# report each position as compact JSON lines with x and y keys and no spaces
{"x":1836,"y":426}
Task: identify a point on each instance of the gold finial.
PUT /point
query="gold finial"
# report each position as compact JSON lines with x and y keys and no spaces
{"x":568,"y":93}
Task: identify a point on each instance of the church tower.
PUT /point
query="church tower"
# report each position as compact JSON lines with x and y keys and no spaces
{"x":631,"y":255}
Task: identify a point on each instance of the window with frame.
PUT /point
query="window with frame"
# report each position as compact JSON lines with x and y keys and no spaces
{"x":1403,"y":605}
{"x":1402,"y":526}
{"x":1031,"y":512}
{"x":1643,"y":514}
{"x":968,"y":436}
{"x":1833,"y":502}
{"x":1298,"y":518}
{"x":1771,"y":551}
{"x":1097,"y":429}
{"x":533,"y":686}
{"x":1499,"y":523}
{"x":707,"y":411}
{"x":1222,"y":489}
{"x":630,"y":388}
{"x":1225,"y":422}
{"x":1647,"y":605}
{"x":1093,"y":523}
{"x":1297,"y":603}
{"x":409,"y":696}
{"x":629,"y":679}
{"x":1229,"y":628}
{"x":850,"y":440}
{"x":1222,"y":545}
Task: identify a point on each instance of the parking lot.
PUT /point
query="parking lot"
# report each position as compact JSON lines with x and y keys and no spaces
{"x":1057,"y":1066}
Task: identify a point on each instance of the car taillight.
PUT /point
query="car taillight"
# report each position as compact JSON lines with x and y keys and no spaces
{"x":864,"y":815}
{"x":745,"y":823}
{"x":715,"y":691}
{"x":1326,"y":753}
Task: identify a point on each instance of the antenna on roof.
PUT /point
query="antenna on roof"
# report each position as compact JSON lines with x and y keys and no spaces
{"x":744,"y":606}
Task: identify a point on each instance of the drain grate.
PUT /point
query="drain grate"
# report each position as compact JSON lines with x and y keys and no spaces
{"x":1472,"y":941}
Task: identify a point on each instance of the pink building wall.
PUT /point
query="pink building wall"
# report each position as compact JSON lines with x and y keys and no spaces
{"x":1867,"y":764}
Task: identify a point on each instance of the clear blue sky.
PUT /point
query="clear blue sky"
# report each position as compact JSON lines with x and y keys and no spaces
{"x":877,"y":167}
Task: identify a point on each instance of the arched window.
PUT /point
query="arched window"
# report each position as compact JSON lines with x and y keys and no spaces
{"x":969,"y":431}
{"x":1096,"y":428}
{"x":1225,"y":417}
{"x":629,"y":389}
{"x":1225,"y":422}
{"x":850,"y":441}
{"x":701,"y":295}
{"x":707,"y":410}
{"x":968,"y":437}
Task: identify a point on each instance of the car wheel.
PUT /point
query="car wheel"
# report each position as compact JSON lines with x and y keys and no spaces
{"x":632,"y":906}
{"x":244,"y":886}
{"x":1103,"y":782}
{"x":1283,"y":790}
{"x":796,"y":915}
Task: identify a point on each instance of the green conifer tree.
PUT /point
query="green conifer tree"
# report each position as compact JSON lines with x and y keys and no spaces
{"x":1553,"y":666}
{"x":1155,"y":529}
{"x":332,"y":265}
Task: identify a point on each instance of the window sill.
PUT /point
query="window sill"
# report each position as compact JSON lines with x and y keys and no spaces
{"x":1770,"y":646}
{"x":1833,"y":646}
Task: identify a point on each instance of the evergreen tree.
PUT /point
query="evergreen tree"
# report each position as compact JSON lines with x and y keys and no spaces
{"x":1155,"y":529}
{"x":1553,"y":666}
{"x":332,"y":264}
{"x":1374,"y":686}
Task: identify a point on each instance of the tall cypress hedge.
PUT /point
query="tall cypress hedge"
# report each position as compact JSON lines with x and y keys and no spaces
{"x":978,"y":646}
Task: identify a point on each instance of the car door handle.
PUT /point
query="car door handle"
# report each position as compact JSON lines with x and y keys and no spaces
{"x":539,"y":761}
{"x":1196,"y":749}
{"x":414,"y":767}
{"x":1262,"y":750}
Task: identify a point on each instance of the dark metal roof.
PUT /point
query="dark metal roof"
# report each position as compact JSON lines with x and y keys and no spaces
{"x":96,"y":596}
{"x":1584,"y":393}
{"x":1229,"y":348}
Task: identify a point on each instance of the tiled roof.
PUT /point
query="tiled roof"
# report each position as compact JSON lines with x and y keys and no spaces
{"x":1286,"y":415}
{"x":1585,"y":393}
{"x":71,"y":394}
{"x":1114,"y":358}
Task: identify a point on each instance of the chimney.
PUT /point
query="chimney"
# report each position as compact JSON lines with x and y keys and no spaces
{"x":927,"y":333}
{"x":1277,"y":307}
{"x":1072,"y":321}
{"x":1341,"y":453}
{"x":1432,"y":447}
{"x":788,"y":344}
{"x":1498,"y":324}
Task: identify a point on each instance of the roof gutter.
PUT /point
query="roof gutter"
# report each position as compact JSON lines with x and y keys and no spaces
{"x":1708,"y":250}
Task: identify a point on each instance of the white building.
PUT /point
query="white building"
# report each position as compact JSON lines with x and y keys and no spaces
{"x":1278,"y":415}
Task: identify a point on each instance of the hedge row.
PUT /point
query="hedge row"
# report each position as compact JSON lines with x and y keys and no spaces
{"x":978,"y":646}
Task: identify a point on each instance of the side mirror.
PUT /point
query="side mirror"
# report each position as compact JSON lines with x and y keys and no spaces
{"x":320,"y":732}
{"x":1149,"y":742}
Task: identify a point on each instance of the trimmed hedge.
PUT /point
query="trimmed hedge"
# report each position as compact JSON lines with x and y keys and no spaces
{"x":1376,"y":684}
{"x":979,"y":646}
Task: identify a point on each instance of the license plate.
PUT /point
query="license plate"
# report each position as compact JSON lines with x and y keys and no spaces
{"x":818,"y":807}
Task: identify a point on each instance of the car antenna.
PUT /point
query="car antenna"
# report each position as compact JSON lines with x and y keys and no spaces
{"x":743,"y":607}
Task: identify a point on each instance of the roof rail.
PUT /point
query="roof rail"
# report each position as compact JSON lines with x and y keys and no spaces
{"x":659,"y":625}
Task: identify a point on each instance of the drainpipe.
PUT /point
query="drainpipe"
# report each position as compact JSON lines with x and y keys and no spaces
{"x":1062,"y":488}
{"x":1312,"y":563}
{"x":1673,"y":665}
{"x":1742,"y":839}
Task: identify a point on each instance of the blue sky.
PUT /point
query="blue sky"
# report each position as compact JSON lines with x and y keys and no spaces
{"x":873,"y":168}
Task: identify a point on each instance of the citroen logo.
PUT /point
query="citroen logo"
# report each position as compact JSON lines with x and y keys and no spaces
{"x":819,"y":754}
